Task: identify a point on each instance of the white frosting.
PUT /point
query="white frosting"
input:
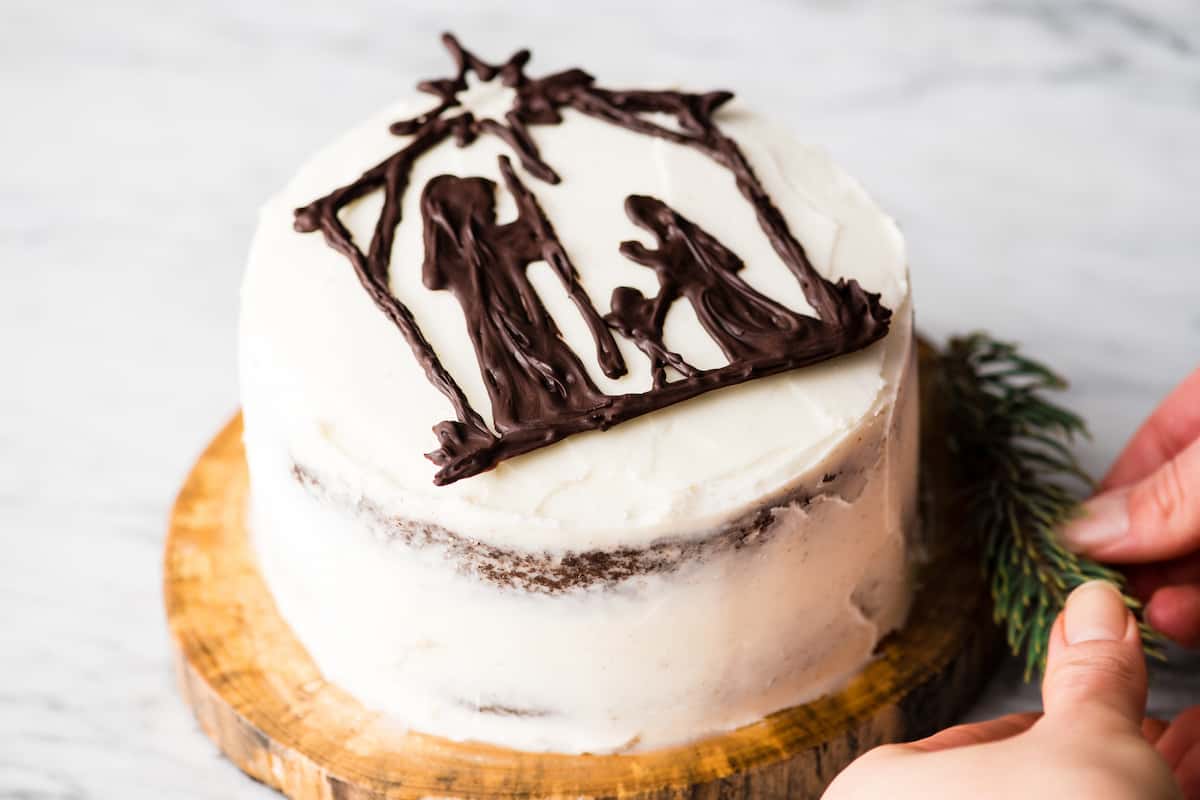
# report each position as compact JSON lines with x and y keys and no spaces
{"x":341,"y":382}
{"x":716,"y":640}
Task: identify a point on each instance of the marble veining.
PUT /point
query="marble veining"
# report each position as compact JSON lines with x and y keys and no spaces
{"x":1039,"y":155}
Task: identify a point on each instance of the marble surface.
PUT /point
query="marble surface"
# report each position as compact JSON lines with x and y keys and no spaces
{"x":1041,"y":157}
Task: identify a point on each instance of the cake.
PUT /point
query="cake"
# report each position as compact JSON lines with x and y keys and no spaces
{"x":579,"y":419}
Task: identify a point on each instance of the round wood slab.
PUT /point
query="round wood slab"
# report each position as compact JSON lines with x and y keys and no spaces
{"x":258,"y":695}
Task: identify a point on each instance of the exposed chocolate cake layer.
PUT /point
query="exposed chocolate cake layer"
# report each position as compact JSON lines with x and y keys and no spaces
{"x":550,"y":573}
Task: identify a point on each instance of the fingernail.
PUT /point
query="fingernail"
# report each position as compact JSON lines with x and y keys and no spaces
{"x":1105,"y":519}
{"x":1095,"y":613}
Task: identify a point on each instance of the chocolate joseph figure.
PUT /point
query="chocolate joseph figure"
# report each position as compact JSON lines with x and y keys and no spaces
{"x":529,"y":370}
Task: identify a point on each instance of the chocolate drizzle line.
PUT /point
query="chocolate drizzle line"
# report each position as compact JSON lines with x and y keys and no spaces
{"x":539,"y":389}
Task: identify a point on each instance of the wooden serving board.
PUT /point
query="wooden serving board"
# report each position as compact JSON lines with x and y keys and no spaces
{"x":258,"y":695}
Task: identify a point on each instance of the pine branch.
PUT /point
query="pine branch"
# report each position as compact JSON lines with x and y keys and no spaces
{"x":1023,"y":483}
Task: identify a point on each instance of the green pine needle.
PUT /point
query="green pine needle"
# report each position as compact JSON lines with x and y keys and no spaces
{"x":1023,"y":483}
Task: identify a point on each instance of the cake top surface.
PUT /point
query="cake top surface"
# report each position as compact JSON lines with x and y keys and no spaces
{"x":571,"y":261}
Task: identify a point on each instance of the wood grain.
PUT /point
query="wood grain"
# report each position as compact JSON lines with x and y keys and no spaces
{"x":258,"y":695}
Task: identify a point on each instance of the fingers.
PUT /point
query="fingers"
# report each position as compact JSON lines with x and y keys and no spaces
{"x":1155,"y":519}
{"x":1179,"y":746}
{"x":1181,"y":733}
{"x":1171,"y":593}
{"x":1146,"y":579}
{"x":1172,"y":426}
{"x":1175,"y":612}
{"x":1153,"y":729}
{"x":1187,"y":773}
{"x":1095,"y":671}
{"x":976,"y":733}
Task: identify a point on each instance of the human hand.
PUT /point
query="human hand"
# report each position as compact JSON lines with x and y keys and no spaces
{"x":1091,"y":742}
{"x":1147,"y":515}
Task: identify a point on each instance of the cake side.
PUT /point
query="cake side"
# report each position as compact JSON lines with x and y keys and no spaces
{"x":720,"y":630}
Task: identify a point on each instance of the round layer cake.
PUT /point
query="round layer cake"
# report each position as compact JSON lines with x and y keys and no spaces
{"x":659,"y":354}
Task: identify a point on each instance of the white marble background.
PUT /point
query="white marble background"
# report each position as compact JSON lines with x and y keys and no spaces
{"x":1041,"y":156}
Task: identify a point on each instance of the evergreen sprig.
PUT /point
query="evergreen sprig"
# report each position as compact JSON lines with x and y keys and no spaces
{"x":1023,"y":482}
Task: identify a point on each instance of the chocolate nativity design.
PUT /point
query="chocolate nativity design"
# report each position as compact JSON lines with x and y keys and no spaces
{"x":539,"y":388}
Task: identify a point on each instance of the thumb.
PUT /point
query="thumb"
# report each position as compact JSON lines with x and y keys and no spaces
{"x":1155,"y":519}
{"x":1095,"y":670}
